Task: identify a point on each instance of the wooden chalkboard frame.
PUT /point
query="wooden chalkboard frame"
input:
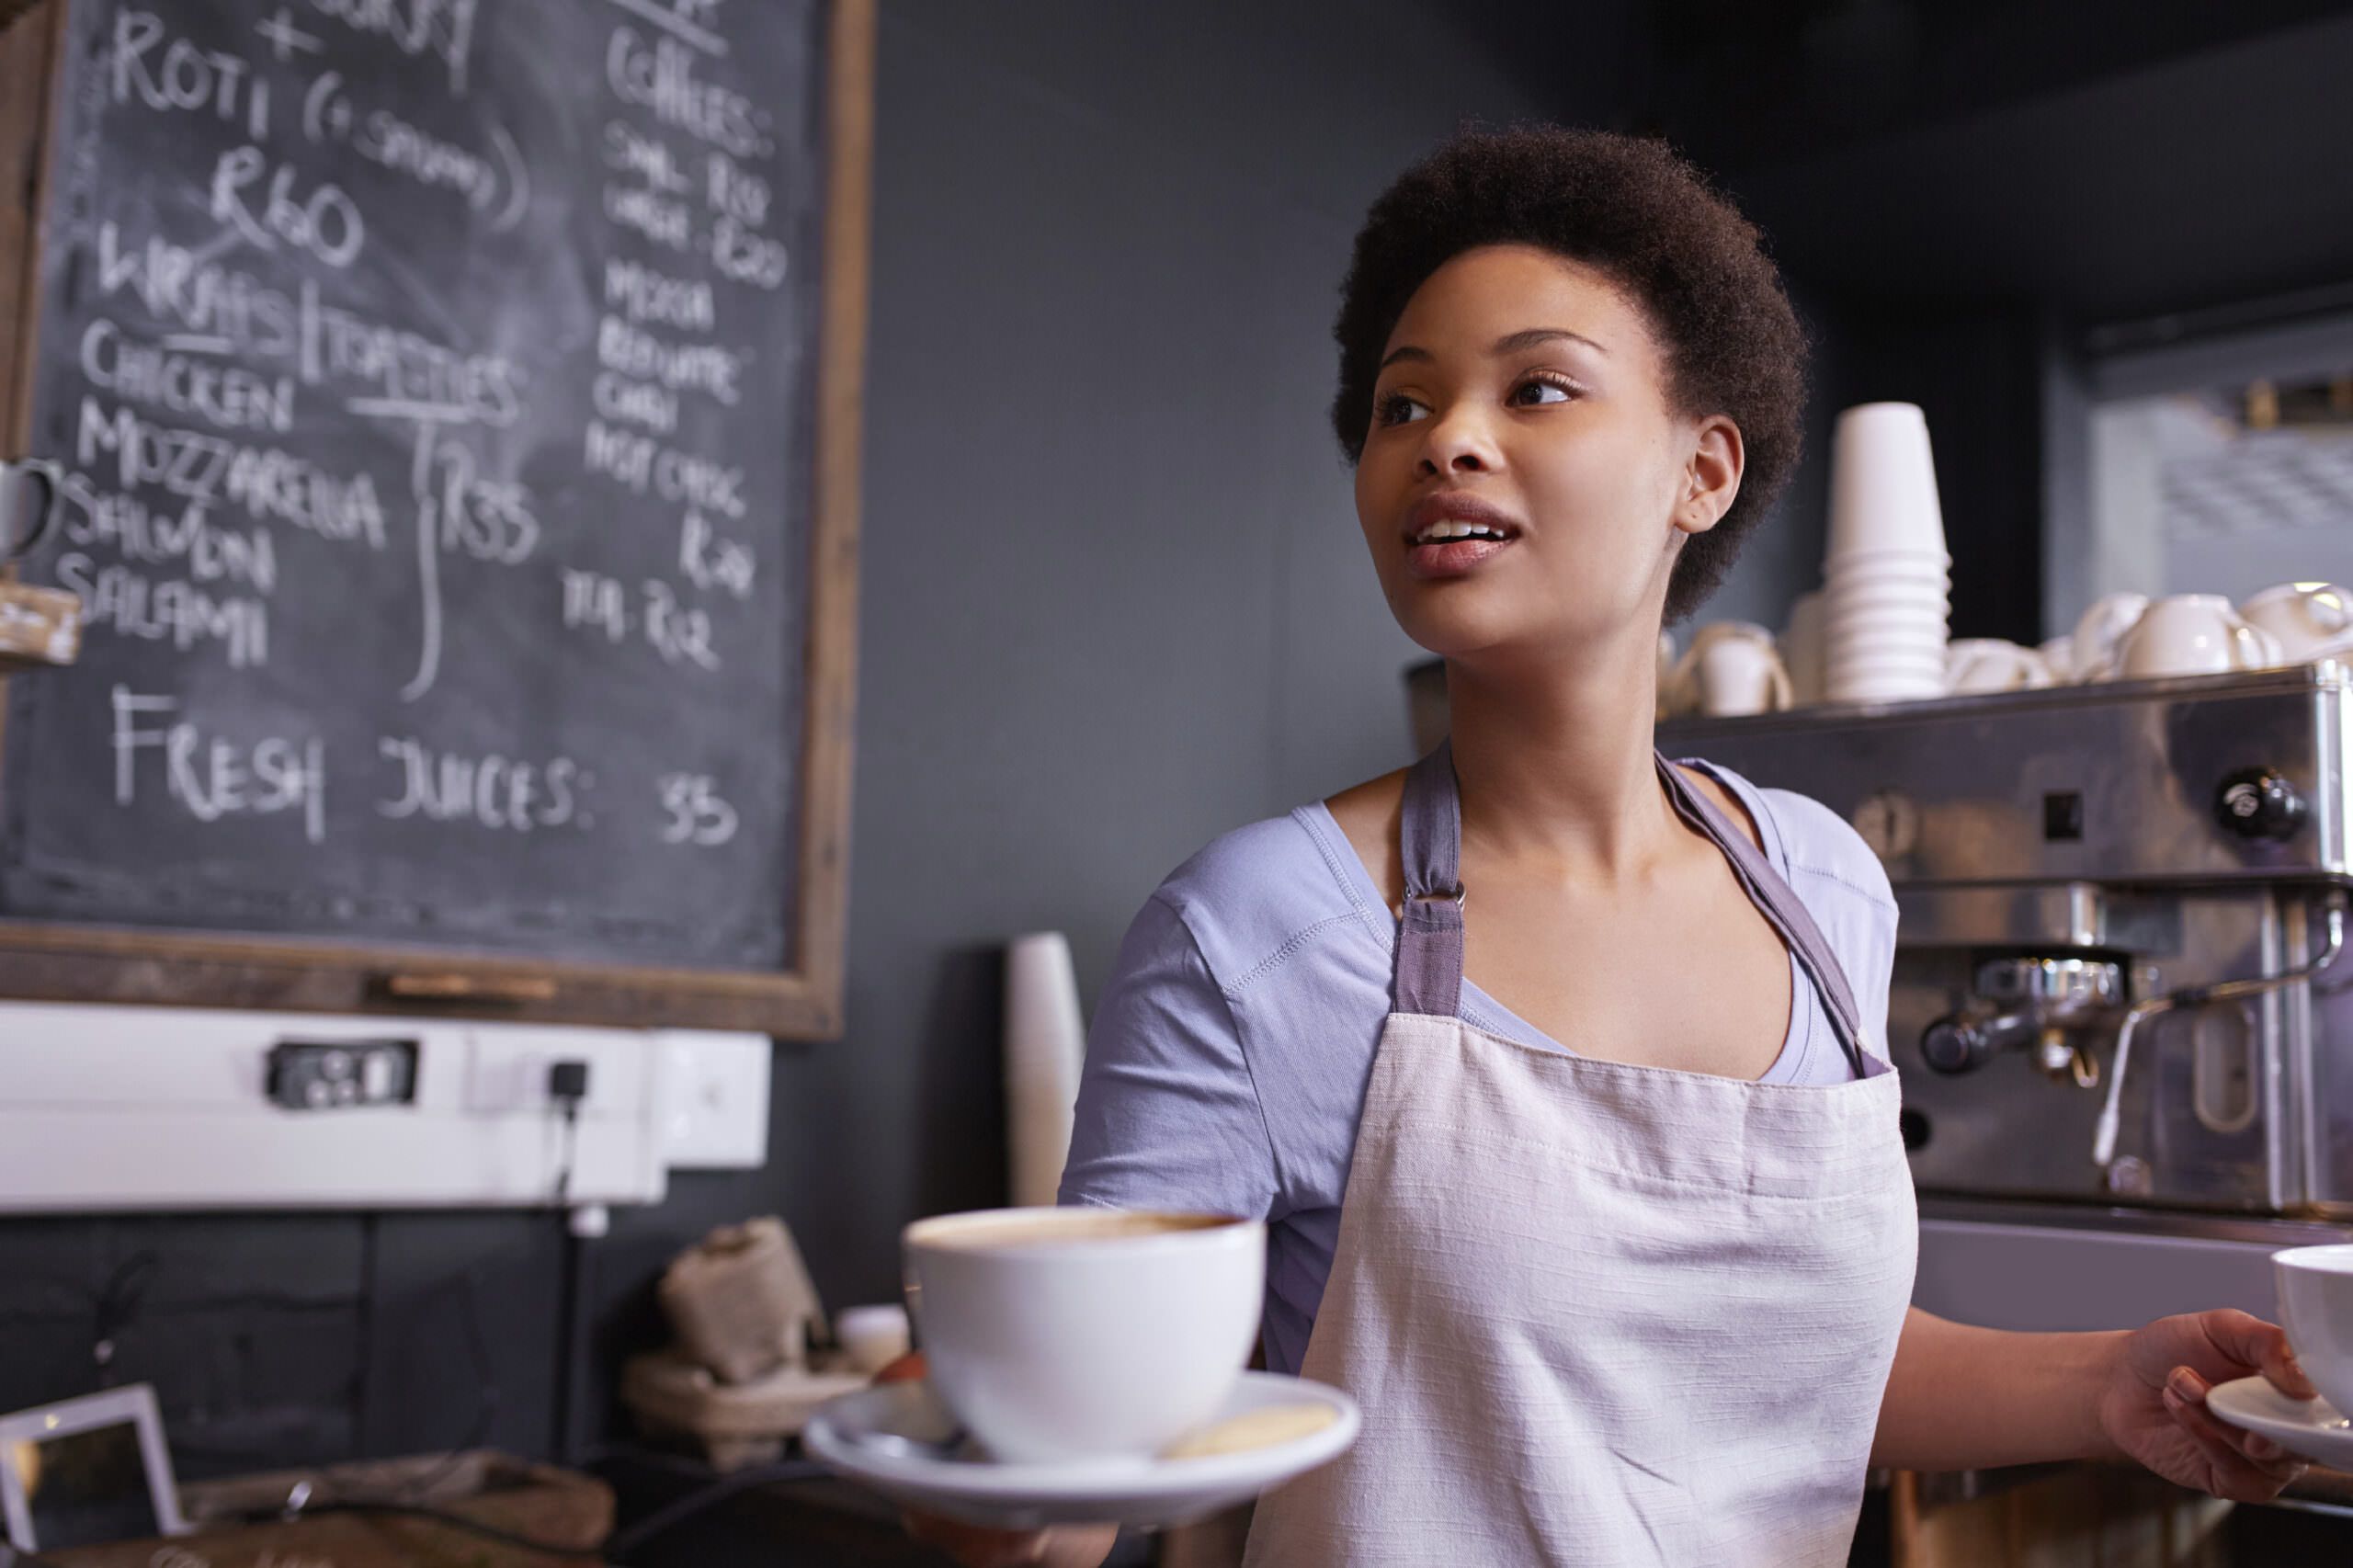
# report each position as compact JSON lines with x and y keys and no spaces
{"x":800,"y":1000}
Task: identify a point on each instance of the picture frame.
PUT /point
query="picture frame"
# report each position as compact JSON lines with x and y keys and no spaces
{"x":24,"y":1432}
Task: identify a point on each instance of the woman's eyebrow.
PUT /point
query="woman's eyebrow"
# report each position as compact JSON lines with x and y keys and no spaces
{"x":1511,"y":343}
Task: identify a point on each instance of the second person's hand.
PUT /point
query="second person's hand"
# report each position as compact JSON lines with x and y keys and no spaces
{"x":976,"y":1546}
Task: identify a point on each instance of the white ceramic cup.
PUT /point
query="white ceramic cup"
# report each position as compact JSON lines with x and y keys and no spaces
{"x":1064,"y":1334}
{"x":27,"y":506}
{"x":1883,"y":483}
{"x":1732,"y":670}
{"x":2187,"y":634}
{"x":2100,"y":629}
{"x":873,"y":1338}
{"x":2309,"y":620}
{"x":2315,"y":1287}
{"x":1802,"y":649}
{"x":1988,"y":663}
{"x":1670,"y":686}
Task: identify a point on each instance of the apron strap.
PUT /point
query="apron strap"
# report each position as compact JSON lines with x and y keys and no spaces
{"x":1429,"y":937}
{"x":1430,"y":841}
{"x":1782,"y":906}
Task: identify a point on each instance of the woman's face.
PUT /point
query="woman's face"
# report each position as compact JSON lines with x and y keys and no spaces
{"x":1522,"y":393}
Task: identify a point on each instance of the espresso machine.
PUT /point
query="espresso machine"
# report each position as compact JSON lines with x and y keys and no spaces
{"x":2120,"y":1009}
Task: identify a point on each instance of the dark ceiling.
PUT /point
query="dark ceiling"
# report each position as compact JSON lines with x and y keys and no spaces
{"x":2109,"y":159}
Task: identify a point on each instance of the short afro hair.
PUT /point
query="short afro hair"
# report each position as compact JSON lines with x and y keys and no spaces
{"x":1629,"y":208}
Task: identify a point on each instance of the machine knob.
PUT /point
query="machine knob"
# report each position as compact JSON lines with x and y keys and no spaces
{"x":2260,"y":802}
{"x":1955,"y":1044}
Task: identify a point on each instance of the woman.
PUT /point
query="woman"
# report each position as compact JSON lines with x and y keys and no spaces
{"x":1558,"y":1070}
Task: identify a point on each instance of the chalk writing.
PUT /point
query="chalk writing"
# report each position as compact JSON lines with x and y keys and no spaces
{"x":661,"y":75}
{"x":268,"y":482}
{"x":227,"y":396}
{"x":696,"y":814}
{"x":212,"y":776}
{"x":131,"y":603}
{"x":182,"y":76}
{"x":491,"y":792}
{"x":325,"y":222}
{"x":642,"y":295}
{"x":443,"y":30}
{"x":92,"y":518}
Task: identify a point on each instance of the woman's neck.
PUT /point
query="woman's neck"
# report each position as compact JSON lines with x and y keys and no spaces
{"x":1555,"y":761}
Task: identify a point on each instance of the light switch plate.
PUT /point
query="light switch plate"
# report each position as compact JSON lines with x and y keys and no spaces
{"x":713,"y":1091}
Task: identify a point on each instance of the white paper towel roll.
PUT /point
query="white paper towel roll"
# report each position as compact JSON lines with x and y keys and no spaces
{"x":1045,"y":1041}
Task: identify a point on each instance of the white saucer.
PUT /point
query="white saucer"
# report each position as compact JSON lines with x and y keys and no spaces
{"x":2308,"y":1427}
{"x":1139,"y":1492}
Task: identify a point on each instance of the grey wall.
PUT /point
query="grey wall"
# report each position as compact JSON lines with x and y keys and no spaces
{"x":1114,"y":603}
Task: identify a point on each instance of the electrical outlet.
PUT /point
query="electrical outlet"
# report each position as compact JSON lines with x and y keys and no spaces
{"x":341,"y":1075}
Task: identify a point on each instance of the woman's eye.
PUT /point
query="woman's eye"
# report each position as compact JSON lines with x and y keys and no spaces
{"x":1396,"y":408}
{"x":1540,"y":389}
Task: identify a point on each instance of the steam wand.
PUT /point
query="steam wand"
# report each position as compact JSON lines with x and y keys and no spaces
{"x":2104,"y":1141}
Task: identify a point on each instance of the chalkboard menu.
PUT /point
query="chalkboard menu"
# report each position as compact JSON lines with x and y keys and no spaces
{"x":443,"y":390}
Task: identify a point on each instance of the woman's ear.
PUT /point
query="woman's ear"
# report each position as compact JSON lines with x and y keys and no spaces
{"x":1711,"y":477}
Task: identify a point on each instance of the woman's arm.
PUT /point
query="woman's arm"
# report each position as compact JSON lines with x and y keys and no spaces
{"x":1964,"y":1397}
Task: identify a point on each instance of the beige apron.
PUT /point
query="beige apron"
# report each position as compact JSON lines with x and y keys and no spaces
{"x":1598,"y":1313}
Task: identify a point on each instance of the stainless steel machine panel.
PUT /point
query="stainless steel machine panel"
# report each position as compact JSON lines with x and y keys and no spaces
{"x":2114,"y":783}
{"x":2084,"y":867}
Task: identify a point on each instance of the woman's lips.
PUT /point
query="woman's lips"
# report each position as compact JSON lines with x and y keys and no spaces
{"x":1453,"y":557}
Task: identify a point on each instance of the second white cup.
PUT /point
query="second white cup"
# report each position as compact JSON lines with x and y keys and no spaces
{"x":1732,"y":670}
{"x":2190,"y":634}
{"x":1060,"y":1335}
{"x":2316,"y":1287}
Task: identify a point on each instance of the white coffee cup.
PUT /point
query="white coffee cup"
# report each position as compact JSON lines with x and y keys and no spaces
{"x":1988,"y":663}
{"x":1059,"y":1335}
{"x":2190,"y":634}
{"x":873,"y":1338}
{"x":2100,"y":629}
{"x":2316,"y":1289}
{"x":1670,"y":694}
{"x":27,"y":506}
{"x":1732,"y":670}
{"x":1802,"y":649}
{"x":2309,"y":620}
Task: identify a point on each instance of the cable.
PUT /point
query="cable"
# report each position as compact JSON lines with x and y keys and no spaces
{"x":680,"y":1510}
{"x":116,"y":1308}
{"x":567,"y":1088}
{"x":485,"y":1404}
{"x":437,"y":1516}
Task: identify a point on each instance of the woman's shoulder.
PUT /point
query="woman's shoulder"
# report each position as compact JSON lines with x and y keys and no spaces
{"x":1813,"y":842}
{"x":1266,"y":889}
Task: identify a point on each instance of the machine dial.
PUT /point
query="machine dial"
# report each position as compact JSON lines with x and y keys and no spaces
{"x":2260,"y":802}
{"x":1955,"y":1044}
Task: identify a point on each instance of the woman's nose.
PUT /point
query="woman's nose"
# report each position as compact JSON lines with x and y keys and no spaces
{"x":1459,"y":442}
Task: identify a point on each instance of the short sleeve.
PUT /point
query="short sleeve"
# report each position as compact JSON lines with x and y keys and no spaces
{"x":1168,"y":1114}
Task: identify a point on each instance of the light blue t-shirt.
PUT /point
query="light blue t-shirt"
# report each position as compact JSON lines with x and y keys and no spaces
{"x":1227,"y":1063}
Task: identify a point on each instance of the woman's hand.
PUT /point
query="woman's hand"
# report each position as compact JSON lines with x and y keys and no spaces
{"x":976,"y":1546}
{"x":2153,"y":1406}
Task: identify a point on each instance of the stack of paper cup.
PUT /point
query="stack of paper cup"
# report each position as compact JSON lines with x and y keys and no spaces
{"x":1886,"y":577}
